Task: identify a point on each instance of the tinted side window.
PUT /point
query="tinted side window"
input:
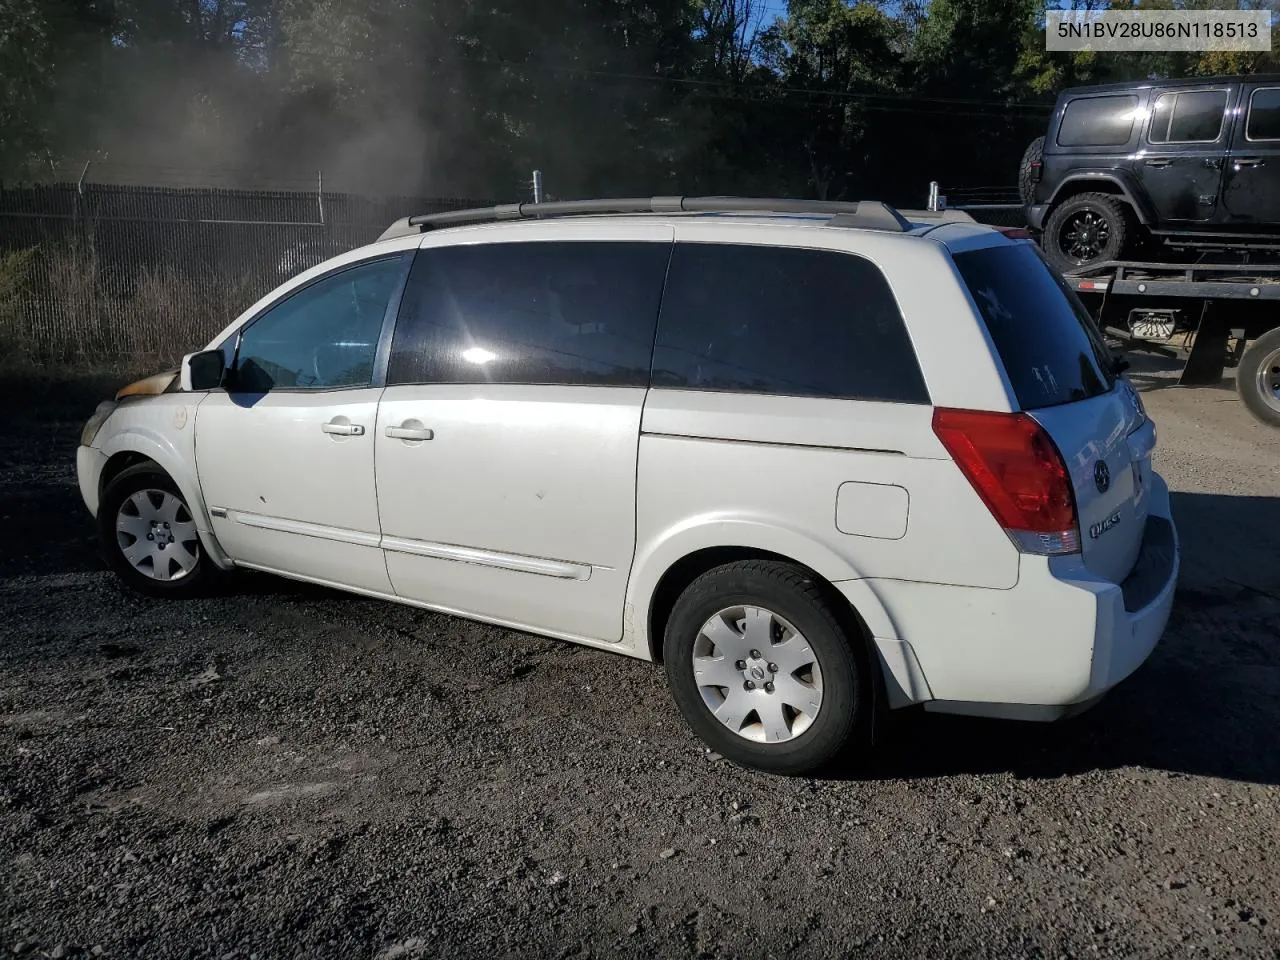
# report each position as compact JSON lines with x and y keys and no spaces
{"x":1264,"y":115}
{"x":1188,"y":117}
{"x":323,"y":337}
{"x":1050,"y":346}
{"x":1098,"y":121}
{"x":577,"y":312}
{"x":783,"y":321}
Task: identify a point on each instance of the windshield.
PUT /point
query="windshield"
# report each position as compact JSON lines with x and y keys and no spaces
{"x":1052,"y":350}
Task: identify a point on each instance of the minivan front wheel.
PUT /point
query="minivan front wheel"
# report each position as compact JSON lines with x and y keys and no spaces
{"x":1088,"y":229}
{"x":763,"y":669}
{"x":148,"y":534}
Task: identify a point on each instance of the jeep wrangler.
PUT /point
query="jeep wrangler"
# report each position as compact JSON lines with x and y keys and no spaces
{"x":1178,"y":165}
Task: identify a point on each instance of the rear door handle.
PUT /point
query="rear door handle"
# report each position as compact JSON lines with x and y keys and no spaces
{"x":1249,"y":162}
{"x":410,"y":433}
{"x":1158,"y":162}
{"x":343,"y":429}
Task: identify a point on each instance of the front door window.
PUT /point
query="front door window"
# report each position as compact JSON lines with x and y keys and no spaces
{"x":324,"y":337}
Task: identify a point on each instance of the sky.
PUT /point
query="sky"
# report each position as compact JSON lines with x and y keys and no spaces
{"x":774,"y":8}
{"x":778,"y":8}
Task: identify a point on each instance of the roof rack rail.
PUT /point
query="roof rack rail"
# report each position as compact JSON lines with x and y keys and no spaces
{"x":949,"y":215}
{"x":866,"y":214}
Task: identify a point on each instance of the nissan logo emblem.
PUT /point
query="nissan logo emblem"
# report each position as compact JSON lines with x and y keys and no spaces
{"x":1101,"y":476}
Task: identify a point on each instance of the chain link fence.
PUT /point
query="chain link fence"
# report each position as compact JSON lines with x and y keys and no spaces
{"x":105,"y":275}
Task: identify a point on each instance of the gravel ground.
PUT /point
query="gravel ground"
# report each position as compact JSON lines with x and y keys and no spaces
{"x":285,"y":771}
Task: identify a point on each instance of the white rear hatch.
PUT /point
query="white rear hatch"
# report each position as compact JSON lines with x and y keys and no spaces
{"x":1063,"y":376}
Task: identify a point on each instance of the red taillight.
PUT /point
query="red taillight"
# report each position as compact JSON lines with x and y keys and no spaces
{"x":1037,"y":166}
{"x":1018,"y":472}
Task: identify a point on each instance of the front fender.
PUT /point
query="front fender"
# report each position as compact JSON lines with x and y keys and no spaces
{"x":173,"y":449}
{"x":660,"y":553}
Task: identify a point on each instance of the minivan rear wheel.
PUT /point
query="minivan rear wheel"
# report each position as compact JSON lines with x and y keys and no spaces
{"x":763,"y":669}
{"x":1089,"y":228}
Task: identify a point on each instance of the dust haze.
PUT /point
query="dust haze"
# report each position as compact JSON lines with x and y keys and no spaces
{"x":392,"y":99}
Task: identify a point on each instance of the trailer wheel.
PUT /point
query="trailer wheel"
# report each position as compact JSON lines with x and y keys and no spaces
{"x":1258,"y":378}
{"x":1026,"y":183}
{"x":1088,"y":228}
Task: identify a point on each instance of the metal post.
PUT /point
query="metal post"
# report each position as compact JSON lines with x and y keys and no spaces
{"x":320,"y":194}
{"x":79,"y":202}
{"x":537,"y":186}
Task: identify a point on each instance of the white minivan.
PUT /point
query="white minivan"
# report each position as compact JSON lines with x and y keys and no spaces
{"x":820,"y":459}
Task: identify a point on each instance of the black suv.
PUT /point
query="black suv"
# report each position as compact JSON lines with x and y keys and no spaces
{"x":1190,"y":164}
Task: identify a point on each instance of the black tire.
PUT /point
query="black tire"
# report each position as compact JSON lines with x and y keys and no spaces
{"x":1026,"y":184}
{"x":1107,"y":227}
{"x":843,"y":717}
{"x":1258,"y":378}
{"x":119,"y":492}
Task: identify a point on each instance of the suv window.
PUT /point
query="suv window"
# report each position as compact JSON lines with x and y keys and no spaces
{"x":550,"y":312}
{"x":1190,"y":117}
{"x":1050,"y":347}
{"x":323,"y":337}
{"x":783,"y":321}
{"x":1264,"y":115}
{"x":1098,"y":121}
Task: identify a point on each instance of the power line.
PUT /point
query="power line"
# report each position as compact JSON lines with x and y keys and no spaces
{"x":526,"y":66}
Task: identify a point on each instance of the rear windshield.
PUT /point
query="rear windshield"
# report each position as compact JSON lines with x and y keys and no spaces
{"x":1051,"y":348}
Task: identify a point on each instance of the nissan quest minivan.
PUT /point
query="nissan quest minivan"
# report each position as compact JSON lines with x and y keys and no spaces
{"x":819,"y":459}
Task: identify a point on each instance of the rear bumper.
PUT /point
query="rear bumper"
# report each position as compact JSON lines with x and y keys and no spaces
{"x":1049,"y":647}
{"x":1036,"y":214}
{"x":89,"y":464}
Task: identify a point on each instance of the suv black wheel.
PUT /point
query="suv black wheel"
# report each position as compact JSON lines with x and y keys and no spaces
{"x":1258,"y":378}
{"x":1026,"y":171}
{"x":149,"y":537}
{"x":764,"y":670}
{"x":1086,"y":229}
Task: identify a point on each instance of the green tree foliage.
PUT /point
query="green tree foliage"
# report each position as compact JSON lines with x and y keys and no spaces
{"x":835,"y":98}
{"x":26,"y":71}
{"x":838,"y":63}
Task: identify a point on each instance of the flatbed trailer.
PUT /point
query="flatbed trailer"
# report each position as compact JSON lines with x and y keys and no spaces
{"x":1214,"y":309}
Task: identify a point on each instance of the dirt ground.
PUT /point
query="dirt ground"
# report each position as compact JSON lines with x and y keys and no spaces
{"x":285,"y":771}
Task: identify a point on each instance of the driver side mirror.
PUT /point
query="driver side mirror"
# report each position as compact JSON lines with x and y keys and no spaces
{"x":203,"y":371}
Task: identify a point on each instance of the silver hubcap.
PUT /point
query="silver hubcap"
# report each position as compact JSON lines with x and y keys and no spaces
{"x":157,"y":536}
{"x":1269,"y":380}
{"x":757,"y":674}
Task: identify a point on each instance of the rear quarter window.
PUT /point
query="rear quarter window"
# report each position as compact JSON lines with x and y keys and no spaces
{"x":1098,"y":121}
{"x":1052,"y":351}
{"x":784,"y":321}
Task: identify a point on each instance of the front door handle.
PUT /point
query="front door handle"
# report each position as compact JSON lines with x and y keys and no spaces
{"x":1158,"y":162}
{"x":410,"y":433}
{"x":1248,"y":162}
{"x":343,"y":429}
